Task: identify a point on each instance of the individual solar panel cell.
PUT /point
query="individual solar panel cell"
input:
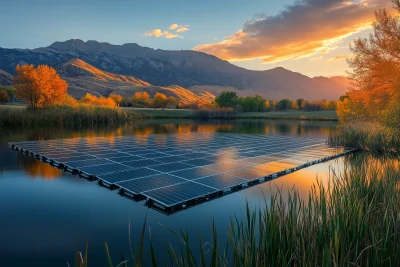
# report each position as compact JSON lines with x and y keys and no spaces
{"x":144,"y":184}
{"x":127,"y":175}
{"x":89,"y":162}
{"x":194,"y":173}
{"x":74,"y":158}
{"x":224,"y":166}
{"x":154,"y":155}
{"x":250,"y":173}
{"x":221,"y":181}
{"x":199,"y":162}
{"x":141,"y":163}
{"x":268,"y":169}
{"x":169,"y":167}
{"x":178,"y":193}
{"x":125,"y":158}
{"x":171,"y":159}
{"x":103,"y":169}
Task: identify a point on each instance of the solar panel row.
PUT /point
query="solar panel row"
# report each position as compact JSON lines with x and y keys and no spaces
{"x":170,"y":169}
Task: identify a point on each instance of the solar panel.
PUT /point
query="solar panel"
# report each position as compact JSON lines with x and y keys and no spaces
{"x":194,"y":173}
{"x":172,"y":169}
{"x":130,"y":174}
{"x":178,"y":193}
{"x":220,"y":181}
{"x":144,"y":184}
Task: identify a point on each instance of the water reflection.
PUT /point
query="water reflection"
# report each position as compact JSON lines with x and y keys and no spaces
{"x":42,"y":223}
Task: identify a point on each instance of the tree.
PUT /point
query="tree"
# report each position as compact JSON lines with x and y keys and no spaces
{"x":160,"y":100}
{"x":227,"y":100}
{"x":284,"y":104}
{"x":171,"y":100}
{"x":299,"y":102}
{"x":375,"y":94}
{"x":117,"y":99}
{"x":4,"y":96}
{"x":41,"y":86}
{"x":10,"y":91}
{"x":93,"y":100}
{"x":141,"y":98}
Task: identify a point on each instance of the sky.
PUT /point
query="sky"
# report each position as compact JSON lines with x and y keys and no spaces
{"x":307,"y":36}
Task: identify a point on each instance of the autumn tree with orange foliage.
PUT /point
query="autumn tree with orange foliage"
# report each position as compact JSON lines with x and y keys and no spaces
{"x":4,"y":96}
{"x":375,"y":96}
{"x":93,"y":100}
{"x":117,"y":98}
{"x":41,"y":86}
{"x":141,"y":98}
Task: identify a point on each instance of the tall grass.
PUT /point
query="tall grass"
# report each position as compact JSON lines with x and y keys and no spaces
{"x":61,"y":115}
{"x":352,"y":221}
{"x":367,"y":136}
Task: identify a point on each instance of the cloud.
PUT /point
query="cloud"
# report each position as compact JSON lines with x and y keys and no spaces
{"x":306,"y":28}
{"x":169,"y":35}
{"x":339,"y":58}
{"x":173,"y":26}
{"x":182,"y":29}
{"x":155,"y":33}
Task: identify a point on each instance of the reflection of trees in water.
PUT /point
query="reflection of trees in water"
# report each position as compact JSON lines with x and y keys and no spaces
{"x":35,"y":168}
{"x":373,"y":164}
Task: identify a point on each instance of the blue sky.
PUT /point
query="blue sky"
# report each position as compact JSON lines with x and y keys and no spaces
{"x":31,"y":24}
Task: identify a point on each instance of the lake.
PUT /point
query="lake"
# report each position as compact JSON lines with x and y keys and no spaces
{"x":46,"y":214}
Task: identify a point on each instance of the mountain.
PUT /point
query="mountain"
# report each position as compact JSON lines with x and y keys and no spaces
{"x":197,"y":71}
{"x":84,"y":78}
{"x":5,"y":78}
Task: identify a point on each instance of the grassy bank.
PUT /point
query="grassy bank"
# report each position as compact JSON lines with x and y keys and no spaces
{"x":64,"y":116}
{"x":19,"y":115}
{"x":367,"y":136}
{"x":353,"y":222}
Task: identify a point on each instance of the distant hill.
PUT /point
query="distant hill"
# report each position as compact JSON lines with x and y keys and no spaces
{"x":5,"y":78}
{"x":84,"y":78}
{"x":196,"y":71}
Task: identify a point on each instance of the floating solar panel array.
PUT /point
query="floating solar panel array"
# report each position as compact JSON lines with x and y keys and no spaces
{"x":174,"y":171}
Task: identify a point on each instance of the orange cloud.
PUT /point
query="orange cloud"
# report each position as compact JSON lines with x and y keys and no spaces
{"x":173,"y":26}
{"x":182,"y":29}
{"x":155,"y":33}
{"x":159,"y":33}
{"x":169,"y":35}
{"x":306,"y":28}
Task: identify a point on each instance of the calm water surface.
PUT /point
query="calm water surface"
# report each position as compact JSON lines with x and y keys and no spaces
{"x":46,"y":214}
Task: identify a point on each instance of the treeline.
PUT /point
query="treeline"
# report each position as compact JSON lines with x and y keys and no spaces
{"x":259,"y":104}
{"x":144,"y":100}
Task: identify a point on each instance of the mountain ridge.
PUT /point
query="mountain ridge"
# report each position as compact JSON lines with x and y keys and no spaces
{"x":185,"y":68}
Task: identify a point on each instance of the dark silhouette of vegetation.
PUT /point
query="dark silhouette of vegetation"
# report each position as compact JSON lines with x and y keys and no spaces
{"x":4,"y":97}
{"x":259,"y":104}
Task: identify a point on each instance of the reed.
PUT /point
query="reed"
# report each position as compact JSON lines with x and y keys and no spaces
{"x":62,"y":115}
{"x":352,"y":221}
{"x":367,"y":136}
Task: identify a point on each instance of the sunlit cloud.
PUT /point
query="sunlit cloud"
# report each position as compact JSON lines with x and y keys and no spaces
{"x":155,"y":33}
{"x":307,"y":28}
{"x":182,"y":29}
{"x":168,"y":34}
{"x":173,"y":26}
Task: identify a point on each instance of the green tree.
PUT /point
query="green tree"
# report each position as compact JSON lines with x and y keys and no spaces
{"x":284,"y":104}
{"x":10,"y":91}
{"x":227,"y":100}
{"x":299,"y":102}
